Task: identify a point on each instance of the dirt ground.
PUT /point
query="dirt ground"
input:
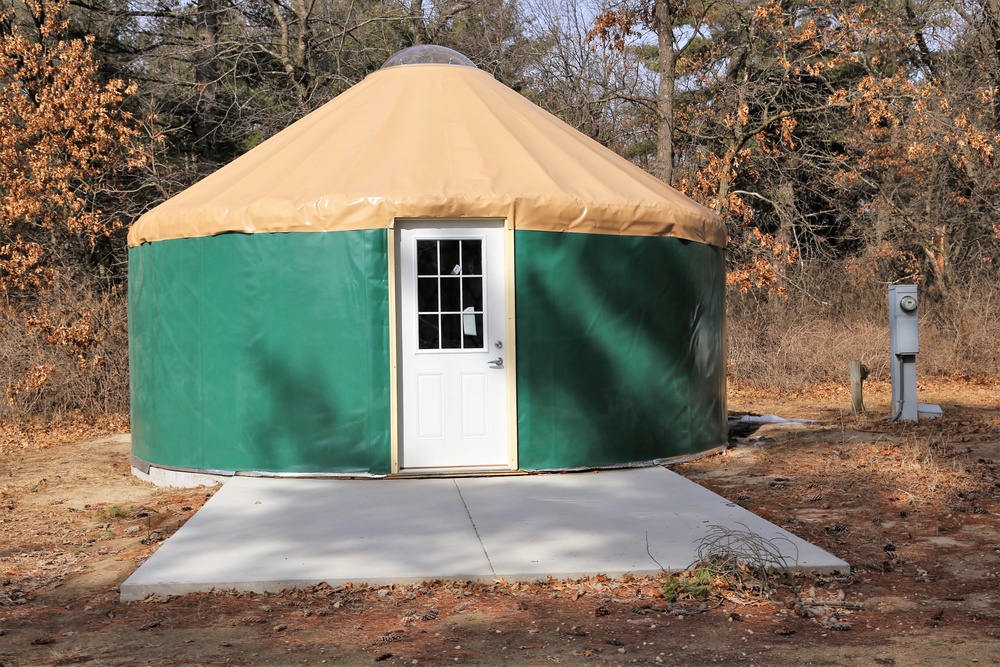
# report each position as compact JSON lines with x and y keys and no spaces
{"x":913,"y":507}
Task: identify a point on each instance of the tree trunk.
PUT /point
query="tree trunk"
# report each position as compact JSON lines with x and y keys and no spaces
{"x":665,"y":95}
{"x":206,"y":76}
{"x":992,"y":13}
{"x":938,"y":254}
{"x":293,"y":45}
{"x":418,"y":23}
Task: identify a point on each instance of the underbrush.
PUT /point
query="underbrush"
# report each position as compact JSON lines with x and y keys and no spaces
{"x":734,"y":564}
{"x":64,"y":353}
{"x":809,"y":335}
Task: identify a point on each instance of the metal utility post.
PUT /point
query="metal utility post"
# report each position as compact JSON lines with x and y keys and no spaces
{"x":904,"y":345}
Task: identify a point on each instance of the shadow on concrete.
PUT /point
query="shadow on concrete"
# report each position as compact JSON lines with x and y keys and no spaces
{"x":271,"y":534}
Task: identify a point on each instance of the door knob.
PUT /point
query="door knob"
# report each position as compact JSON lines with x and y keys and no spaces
{"x":496,"y":363}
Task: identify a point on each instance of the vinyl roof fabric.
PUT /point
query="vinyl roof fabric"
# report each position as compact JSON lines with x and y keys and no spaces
{"x":429,"y":141}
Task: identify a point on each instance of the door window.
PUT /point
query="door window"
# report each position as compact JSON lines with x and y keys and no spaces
{"x":450,"y":302}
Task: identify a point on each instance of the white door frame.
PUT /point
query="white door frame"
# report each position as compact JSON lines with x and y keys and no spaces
{"x":510,"y":356}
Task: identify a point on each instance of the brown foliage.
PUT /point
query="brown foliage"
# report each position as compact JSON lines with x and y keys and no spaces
{"x":830,"y":131}
{"x":933,"y":151}
{"x":70,"y":353}
{"x":65,"y":145}
{"x":616,"y":24}
{"x":66,"y":138}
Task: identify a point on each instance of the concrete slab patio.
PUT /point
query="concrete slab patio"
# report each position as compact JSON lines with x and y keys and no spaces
{"x":258,"y":534}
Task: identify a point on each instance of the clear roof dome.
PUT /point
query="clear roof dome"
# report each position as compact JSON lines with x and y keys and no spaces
{"x":426,"y":54}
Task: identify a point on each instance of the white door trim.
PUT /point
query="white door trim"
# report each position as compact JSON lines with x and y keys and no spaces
{"x":395,"y":336}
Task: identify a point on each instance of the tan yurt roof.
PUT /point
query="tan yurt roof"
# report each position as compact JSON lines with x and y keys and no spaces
{"x":429,"y":141}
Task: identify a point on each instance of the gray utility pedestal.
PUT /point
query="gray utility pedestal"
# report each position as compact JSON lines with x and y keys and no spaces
{"x":904,"y":344}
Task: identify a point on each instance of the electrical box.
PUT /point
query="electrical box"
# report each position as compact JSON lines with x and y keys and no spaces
{"x":903,"y":335}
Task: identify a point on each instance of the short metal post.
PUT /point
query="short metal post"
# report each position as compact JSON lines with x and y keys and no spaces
{"x":857,"y":387}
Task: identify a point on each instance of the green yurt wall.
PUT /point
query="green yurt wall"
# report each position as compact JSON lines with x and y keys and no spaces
{"x":261,"y":352}
{"x":620,"y":349}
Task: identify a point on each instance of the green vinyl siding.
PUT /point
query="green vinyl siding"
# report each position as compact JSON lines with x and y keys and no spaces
{"x":620,"y":349}
{"x":261,"y":352}
{"x":270,"y":352}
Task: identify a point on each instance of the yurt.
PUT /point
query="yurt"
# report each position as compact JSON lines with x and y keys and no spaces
{"x":427,"y":275}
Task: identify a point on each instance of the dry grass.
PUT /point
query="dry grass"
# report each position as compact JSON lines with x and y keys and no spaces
{"x":781,"y":344}
{"x":961,"y":335}
{"x":916,"y":470}
{"x":66,"y":353}
{"x":783,"y":353}
{"x":20,"y":435}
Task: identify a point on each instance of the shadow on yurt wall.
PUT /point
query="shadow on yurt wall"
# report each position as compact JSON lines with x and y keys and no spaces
{"x":261,"y":352}
{"x":620,"y":352}
{"x":496,"y":292}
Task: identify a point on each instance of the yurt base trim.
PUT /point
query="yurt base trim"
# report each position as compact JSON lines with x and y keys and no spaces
{"x":178,"y":478}
{"x":188,"y":477}
{"x":145,"y":467}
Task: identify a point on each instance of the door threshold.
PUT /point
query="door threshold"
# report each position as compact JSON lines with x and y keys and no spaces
{"x":421,"y":473}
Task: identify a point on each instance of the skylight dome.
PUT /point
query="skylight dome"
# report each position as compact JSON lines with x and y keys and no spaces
{"x":428,"y":54}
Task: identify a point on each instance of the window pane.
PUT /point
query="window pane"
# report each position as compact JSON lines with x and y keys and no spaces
{"x":427,"y":259}
{"x":428,"y":332}
{"x":427,"y":295}
{"x":451,"y":332}
{"x":449,"y":258}
{"x":472,"y":257}
{"x":472,"y":293}
{"x":451,"y":297}
{"x":474,"y":340}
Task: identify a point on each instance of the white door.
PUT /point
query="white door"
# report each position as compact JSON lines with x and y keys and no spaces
{"x":452,"y":324}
